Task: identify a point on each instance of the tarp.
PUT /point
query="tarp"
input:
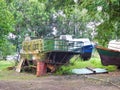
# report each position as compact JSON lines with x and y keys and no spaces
{"x":89,"y":71}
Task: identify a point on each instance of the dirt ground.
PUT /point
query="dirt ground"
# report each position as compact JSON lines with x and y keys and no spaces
{"x":17,"y":81}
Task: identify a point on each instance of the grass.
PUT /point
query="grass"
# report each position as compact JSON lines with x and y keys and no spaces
{"x":5,"y":64}
{"x":6,"y":74}
{"x":13,"y":75}
{"x":94,"y":62}
{"x":77,"y":63}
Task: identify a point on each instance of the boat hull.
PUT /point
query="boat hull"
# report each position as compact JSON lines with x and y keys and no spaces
{"x":86,"y":52}
{"x":109,"y":56}
{"x":59,"y":57}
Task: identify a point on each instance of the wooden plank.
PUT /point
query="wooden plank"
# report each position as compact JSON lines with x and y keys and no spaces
{"x":19,"y":66}
{"x":51,"y":67}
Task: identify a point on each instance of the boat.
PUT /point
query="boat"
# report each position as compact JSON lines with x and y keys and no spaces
{"x":53,"y":52}
{"x":109,"y":56}
{"x":114,"y":44}
{"x":65,"y":49}
{"x":82,"y":46}
{"x":86,"y":52}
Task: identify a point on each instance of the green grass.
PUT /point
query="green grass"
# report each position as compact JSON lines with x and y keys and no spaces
{"x":5,"y":64}
{"x":6,"y":74}
{"x":94,"y":62}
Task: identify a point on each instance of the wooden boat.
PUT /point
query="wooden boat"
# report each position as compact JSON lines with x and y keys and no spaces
{"x":109,"y":56}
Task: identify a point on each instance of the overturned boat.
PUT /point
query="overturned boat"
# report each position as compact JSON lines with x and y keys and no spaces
{"x":110,"y":55}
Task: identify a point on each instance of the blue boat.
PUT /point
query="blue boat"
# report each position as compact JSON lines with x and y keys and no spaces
{"x":86,"y":52}
{"x":84,"y":47}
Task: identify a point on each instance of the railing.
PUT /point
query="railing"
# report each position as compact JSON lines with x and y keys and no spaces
{"x":47,"y":45}
{"x":68,"y":45}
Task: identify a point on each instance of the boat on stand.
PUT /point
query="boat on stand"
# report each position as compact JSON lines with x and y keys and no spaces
{"x":110,"y":55}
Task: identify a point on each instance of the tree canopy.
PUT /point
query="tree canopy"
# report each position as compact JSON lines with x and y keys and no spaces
{"x":107,"y":12}
{"x":6,"y":21}
{"x":98,"y":20}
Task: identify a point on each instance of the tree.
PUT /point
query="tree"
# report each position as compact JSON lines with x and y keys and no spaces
{"x":30,"y":16}
{"x":39,"y":17}
{"x":6,"y":21}
{"x":71,"y":18}
{"x":106,"y":13}
{"x":6,"y":26}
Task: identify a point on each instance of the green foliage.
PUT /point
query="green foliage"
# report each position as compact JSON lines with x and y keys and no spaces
{"x":6,"y":21}
{"x":6,"y":26}
{"x":7,"y":48}
{"x":105,"y":34}
{"x":108,"y":17}
{"x":5,"y":64}
{"x":30,"y":17}
{"x":63,"y":70}
{"x":35,"y":17}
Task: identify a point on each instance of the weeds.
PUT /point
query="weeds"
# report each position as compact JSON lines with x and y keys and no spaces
{"x":94,"y":62}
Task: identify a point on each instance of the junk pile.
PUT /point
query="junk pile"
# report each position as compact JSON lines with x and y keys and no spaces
{"x":46,"y":55}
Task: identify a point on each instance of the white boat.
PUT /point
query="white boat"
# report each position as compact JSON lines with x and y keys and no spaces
{"x":114,"y":44}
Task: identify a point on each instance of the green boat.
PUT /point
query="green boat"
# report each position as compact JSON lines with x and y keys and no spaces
{"x":109,"y":56}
